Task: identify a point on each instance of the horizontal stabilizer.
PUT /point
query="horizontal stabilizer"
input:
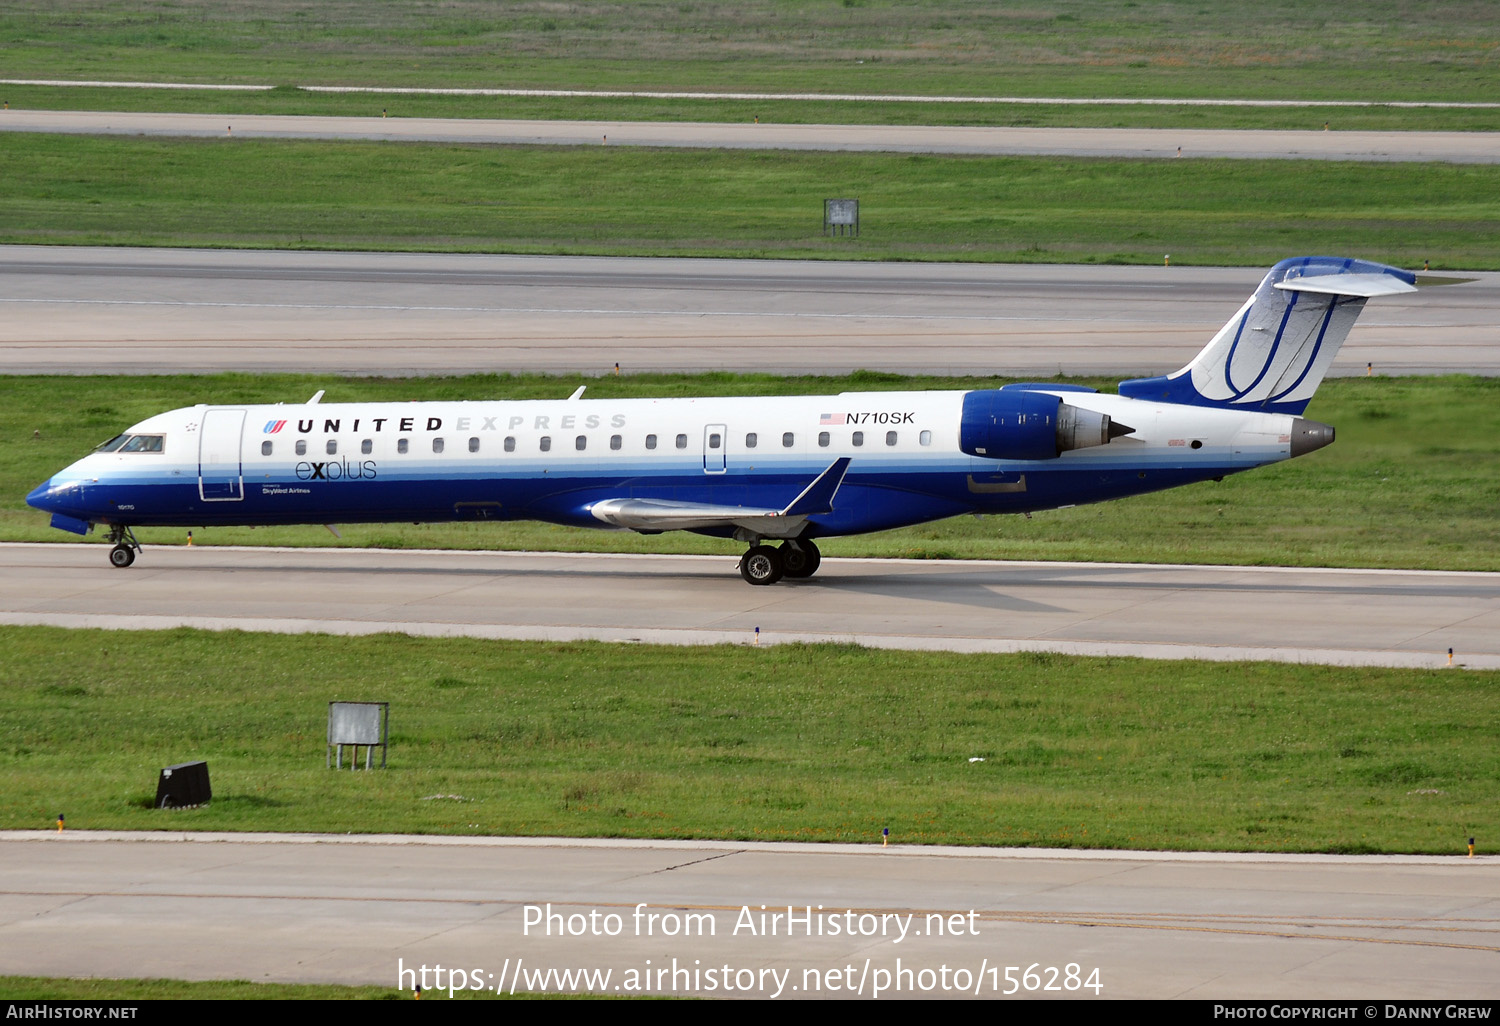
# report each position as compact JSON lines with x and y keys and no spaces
{"x":1366,"y":285}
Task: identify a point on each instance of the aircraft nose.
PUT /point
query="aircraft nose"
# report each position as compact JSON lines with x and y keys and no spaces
{"x":41,"y":497}
{"x":64,"y":500}
{"x":58,"y":496}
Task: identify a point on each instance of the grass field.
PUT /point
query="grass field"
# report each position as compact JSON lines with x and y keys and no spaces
{"x":618,"y":201}
{"x":1409,"y":483}
{"x":822,"y":743}
{"x":1276,"y":48}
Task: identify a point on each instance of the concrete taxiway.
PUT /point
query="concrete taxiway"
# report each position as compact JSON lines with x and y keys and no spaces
{"x":145,"y":311}
{"x":1457,"y":147}
{"x":1346,"y":617}
{"x":976,"y":922}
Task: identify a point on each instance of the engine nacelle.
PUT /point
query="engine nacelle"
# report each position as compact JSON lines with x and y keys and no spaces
{"x":1013,"y":424}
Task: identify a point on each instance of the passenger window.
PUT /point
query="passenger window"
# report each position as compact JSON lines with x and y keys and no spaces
{"x":788,"y":440}
{"x":581,"y":442}
{"x":925,"y":438}
{"x":682,"y":441}
{"x":858,"y":439}
{"x":265,"y":448}
{"x":651,"y":441}
{"x":437,"y":445}
{"x":715,"y":440}
{"x":401,"y":446}
{"x":510,"y":443}
{"x":474,"y":444}
{"x":333,"y":447}
{"x":823,"y":439}
{"x":302,"y":447}
{"x":890,"y":438}
{"x":615,"y":441}
{"x":750,"y":440}
{"x":546,"y":443}
{"x":366,"y":446}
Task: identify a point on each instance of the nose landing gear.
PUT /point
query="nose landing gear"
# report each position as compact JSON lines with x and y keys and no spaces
{"x":123,"y":554}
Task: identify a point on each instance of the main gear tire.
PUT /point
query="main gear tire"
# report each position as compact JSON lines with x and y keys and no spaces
{"x":762,"y":565}
{"x":800,"y":559}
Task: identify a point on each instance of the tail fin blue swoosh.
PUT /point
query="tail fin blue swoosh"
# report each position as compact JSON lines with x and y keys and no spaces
{"x":1273,"y":354}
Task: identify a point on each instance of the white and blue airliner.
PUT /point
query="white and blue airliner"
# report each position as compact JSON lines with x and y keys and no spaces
{"x":776,"y":474}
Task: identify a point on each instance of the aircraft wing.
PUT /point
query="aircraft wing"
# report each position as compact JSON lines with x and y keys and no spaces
{"x":768,"y":521}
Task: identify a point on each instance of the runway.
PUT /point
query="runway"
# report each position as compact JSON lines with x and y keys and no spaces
{"x":145,"y":311}
{"x":1345,"y":617}
{"x":1456,"y":147}
{"x":361,"y":910}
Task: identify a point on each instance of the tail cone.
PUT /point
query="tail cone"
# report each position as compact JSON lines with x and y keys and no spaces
{"x":1308,"y":435}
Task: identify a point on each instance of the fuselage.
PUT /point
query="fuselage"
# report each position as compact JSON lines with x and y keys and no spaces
{"x":554,"y":460}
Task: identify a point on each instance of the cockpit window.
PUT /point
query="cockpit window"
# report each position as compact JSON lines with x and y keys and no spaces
{"x":137,"y":443}
{"x":113,"y":444}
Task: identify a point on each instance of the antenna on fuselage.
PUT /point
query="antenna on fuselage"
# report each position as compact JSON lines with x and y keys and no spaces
{"x":314,"y":400}
{"x":578,"y":393}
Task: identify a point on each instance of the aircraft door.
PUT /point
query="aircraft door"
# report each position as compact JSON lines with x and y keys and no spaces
{"x":220,"y":476}
{"x":715,"y":449}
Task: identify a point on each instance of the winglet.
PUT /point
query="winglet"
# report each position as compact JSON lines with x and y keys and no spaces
{"x":818,"y":497}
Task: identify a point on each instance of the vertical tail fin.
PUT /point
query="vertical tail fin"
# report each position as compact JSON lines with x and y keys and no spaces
{"x":1272,"y":356}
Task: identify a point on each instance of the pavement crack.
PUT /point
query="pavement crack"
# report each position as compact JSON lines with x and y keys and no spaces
{"x":695,"y":862}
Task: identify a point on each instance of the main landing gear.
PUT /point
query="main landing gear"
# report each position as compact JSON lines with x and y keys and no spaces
{"x":766,"y":565}
{"x":123,"y":554}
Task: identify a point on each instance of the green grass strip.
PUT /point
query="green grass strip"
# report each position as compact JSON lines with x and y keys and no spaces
{"x":811,"y":743}
{"x":618,"y":200}
{"x":1409,"y":483}
{"x":1273,"y":48}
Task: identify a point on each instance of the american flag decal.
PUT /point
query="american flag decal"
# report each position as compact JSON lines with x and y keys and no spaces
{"x":833,"y":418}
